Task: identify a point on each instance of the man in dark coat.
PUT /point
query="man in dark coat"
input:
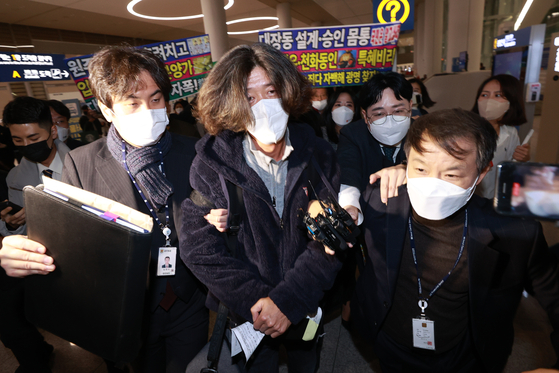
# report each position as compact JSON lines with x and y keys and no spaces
{"x":278,"y":274}
{"x":376,"y":141}
{"x":141,"y":165}
{"x":420,"y":318}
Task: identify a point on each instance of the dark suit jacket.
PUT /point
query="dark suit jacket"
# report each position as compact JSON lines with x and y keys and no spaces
{"x":505,"y":256}
{"x":359,"y":155}
{"x":93,"y":168}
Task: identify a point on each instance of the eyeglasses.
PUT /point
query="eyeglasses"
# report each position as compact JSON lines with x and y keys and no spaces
{"x":379,"y":117}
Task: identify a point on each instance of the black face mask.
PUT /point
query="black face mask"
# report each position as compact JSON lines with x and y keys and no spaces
{"x":37,"y":152}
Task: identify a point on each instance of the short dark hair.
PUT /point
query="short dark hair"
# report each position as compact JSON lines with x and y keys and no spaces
{"x":371,"y":92}
{"x":512,"y":90}
{"x":425,"y":98}
{"x":222,"y":100}
{"x":115,"y":71}
{"x":445,"y":127}
{"x":60,"y":108}
{"x":25,"y":109}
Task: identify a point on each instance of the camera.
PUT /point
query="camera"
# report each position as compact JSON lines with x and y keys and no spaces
{"x":333,"y":227}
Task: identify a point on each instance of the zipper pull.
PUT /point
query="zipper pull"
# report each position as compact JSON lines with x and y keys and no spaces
{"x":274,"y":201}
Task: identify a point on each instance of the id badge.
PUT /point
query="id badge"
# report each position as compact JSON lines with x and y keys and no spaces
{"x":166,"y":262}
{"x":423,"y":334}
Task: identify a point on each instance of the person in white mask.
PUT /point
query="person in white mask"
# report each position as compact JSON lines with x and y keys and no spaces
{"x":319,"y":99}
{"x":500,"y":101}
{"x":61,"y":118}
{"x":143,"y":166}
{"x":340,"y":111}
{"x":375,"y":142}
{"x":446,"y":272}
{"x":245,"y":104}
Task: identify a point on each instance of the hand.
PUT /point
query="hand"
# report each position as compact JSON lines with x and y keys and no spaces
{"x":522,"y":153}
{"x":390,"y":179}
{"x":542,"y":370}
{"x":329,"y":251}
{"x":353,"y":212}
{"x":13,"y":221}
{"x":20,"y":257}
{"x":218,"y":218}
{"x":268,"y":318}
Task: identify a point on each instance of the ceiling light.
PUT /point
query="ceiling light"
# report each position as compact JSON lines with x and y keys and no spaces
{"x":240,"y":20}
{"x":131,"y":4}
{"x":17,"y":46}
{"x":522,"y":14}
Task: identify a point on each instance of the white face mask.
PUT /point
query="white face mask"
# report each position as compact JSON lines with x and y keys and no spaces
{"x":390,"y":132}
{"x":143,"y":128}
{"x":342,"y":115}
{"x":63,"y":133}
{"x":178,"y":110}
{"x":436,"y":199}
{"x":492,"y":109}
{"x":270,"y":121}
{"x":319,"y":105}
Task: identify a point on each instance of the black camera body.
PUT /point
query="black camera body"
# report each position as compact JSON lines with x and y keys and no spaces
{"x":334,"y":227}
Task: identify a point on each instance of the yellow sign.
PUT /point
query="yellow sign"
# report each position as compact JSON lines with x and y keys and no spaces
{"x":393,"y":6}
{"x":16,"y":75}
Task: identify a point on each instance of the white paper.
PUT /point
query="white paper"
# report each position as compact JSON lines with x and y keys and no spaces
{"x":248,"y":338}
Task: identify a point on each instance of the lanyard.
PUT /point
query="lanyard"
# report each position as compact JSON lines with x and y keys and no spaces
{"x":164,"y":228}
{"x":424,"y":302}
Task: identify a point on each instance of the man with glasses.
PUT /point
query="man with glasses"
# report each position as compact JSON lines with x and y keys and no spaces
{"x":374,"y":142}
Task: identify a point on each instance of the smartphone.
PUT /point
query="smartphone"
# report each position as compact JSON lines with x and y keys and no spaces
{"x":15,"y":208}
{"x":528,"y":189}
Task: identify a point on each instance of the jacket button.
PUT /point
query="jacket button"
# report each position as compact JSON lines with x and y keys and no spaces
{"x":385,"y":304}
{"x":375,"y":323}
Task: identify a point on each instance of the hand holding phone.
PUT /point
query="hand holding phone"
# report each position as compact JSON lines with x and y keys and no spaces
{"x":528,"y":190}
{"x":15,"y":208}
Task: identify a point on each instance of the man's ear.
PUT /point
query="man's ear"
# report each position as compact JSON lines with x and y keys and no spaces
{"x":54,"y":132}
{"x":364,"y":115}
{"x":107,"y":113}
{"x":483,"y":173}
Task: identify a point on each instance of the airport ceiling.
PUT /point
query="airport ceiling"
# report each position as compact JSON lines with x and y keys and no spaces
{"x":111,"y":17}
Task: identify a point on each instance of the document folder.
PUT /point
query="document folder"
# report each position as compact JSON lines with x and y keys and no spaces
{"x":95,"y":296}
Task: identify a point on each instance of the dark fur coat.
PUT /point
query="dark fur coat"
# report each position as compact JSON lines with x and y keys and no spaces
{"x":275,"y":257}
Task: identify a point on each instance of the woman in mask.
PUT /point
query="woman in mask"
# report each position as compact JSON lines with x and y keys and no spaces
{"x":421,"y":100}
{"x":499,"y":100}
{"x":339,"y":112}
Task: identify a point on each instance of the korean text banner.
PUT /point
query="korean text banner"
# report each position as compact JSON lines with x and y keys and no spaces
{"x":402,"y":11}
{"x":337,"y":56}
{"x":187,"y":61}
{"x":26,"y":67}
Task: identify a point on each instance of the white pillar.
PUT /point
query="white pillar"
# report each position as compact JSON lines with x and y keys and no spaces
{"x":419,"y":52}
{"x":475,"y":34}
{"x":428,"y":37}
{"x":284,"y":14}
{"x":215,"y":26}
{"x":465,"y":27}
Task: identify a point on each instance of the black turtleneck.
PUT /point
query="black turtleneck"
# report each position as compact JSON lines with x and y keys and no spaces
{"x":437,"y":244}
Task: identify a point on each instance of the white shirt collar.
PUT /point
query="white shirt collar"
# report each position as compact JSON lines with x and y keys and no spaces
{"x":56,"y":166}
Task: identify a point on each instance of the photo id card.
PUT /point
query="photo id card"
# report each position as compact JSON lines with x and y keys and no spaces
{"x":166,"y":262}
{"x":423,"y":333}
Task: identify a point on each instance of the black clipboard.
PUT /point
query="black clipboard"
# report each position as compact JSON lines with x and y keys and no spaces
{"x":95,"y":296}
